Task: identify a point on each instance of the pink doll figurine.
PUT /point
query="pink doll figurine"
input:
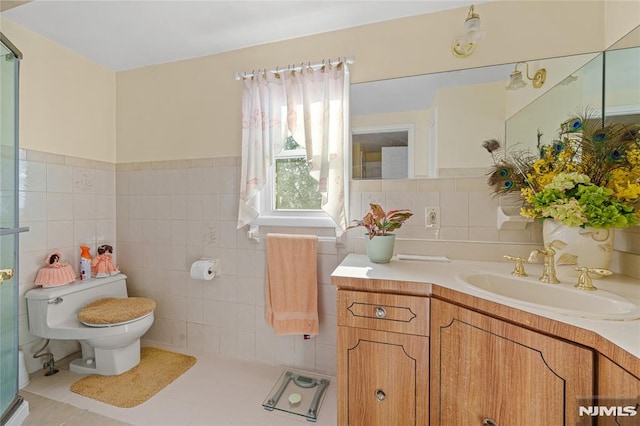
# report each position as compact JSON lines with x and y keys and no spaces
{"x":55,"y":273}
{"x":102,"y":265}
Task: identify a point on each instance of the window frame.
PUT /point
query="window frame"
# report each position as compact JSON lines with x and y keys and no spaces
{"x":270,"y":216}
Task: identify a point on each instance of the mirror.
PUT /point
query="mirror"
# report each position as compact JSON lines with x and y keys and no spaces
{"x":622,"y":80}
{"x":445,"y":117}
{"x":538,"y":123}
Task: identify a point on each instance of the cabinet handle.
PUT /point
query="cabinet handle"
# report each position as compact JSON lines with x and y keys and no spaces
{"x":380,"y":395}
{"x":489,"y":422}
{"x":381,"y":312}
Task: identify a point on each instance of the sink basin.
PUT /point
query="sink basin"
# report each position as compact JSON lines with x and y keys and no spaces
{"x":559,"y":298}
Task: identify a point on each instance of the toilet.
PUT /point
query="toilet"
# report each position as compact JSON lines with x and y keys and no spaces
{"x":109,"y":329}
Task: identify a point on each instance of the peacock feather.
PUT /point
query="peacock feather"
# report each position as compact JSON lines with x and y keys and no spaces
{"x":603,"y":148}
{"x":508,"y":173}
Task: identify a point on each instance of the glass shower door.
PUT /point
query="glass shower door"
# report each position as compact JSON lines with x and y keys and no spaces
{"x":9,"y":230}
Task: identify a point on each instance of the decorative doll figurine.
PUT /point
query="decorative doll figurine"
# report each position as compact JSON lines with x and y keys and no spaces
{"x":102,"y":265}
{"x":55,"y":273}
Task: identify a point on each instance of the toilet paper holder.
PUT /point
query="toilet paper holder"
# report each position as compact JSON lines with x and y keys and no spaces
{"x":215,"y":264}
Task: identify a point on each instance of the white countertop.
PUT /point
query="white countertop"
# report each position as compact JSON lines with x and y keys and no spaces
{"x":625,"y":334}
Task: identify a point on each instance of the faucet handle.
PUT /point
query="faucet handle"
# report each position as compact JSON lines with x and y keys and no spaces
{"x":584,"y":280}
{"x":555,"y":244}
{"x":518,"y":268}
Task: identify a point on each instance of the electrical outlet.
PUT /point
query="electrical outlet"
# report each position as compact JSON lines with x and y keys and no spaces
{"x":432,"y":217}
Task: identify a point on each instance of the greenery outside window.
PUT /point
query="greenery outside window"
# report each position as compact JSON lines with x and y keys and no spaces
{"x":294,"y":188}
{"x":291,"y":196}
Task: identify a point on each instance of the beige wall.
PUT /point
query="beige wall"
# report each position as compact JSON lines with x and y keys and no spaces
{"x":67,"y":103}
{"x":467,"y":115}
{"x":191,"y":108}
{"x":620,"y":17}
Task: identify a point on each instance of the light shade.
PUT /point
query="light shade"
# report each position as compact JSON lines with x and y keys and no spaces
{"x":464,"y":44}
{"x":515,"y":81}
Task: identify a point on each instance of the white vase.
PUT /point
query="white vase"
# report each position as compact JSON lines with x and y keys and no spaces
{"x":380,"y":247}
{"x":586,"y":247}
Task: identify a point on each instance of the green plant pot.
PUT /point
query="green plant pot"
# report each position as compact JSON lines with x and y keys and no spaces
{"x":380,"y":248}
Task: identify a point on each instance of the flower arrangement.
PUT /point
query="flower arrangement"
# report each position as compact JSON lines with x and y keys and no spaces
{"x":589,"y":176}
{"x":379,"y":222}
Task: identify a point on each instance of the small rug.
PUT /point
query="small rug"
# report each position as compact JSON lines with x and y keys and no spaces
{"x":156,"y":370}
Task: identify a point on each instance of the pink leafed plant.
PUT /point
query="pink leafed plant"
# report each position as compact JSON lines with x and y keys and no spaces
{"x":379,"y":222}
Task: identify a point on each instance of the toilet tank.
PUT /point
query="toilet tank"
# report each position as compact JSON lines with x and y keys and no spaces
{"x":58,"y":307}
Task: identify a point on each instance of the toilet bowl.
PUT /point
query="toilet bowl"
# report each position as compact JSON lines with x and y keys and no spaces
{"x":108,"y":348}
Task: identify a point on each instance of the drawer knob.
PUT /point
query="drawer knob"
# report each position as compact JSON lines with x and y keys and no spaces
{"x":381,"y":312}
{"x":380,"y":395}
{"x":489,"y":422}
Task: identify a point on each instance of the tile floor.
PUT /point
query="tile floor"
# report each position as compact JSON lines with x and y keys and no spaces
{"x":213,"y":392}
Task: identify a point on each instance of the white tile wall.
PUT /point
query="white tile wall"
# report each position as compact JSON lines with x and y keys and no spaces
{"x":168,"y":214}
{"x":65,"y":202}
{"x":189,"y":213}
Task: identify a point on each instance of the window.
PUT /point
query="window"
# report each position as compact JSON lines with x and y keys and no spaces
{"x":282,"y":184}
{"x":294,"y":189}
{"x":291,"y":196}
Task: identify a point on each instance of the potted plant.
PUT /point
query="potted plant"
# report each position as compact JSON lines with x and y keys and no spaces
{"x":379,"y":224}
{"x":583,"y":186}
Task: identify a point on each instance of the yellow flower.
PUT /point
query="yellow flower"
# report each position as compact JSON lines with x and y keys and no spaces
{"x":625,"y":185}
{"x":527,"y":194}
{"x":633,"y":156}
{"x":528,"y":212}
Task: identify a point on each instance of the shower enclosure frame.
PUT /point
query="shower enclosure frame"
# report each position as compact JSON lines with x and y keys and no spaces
{"x":13,"y":408}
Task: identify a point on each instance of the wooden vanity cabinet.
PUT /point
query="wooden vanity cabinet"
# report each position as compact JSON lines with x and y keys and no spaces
{"x":383,"y":359}
{"x":485,"y":371}
{"x":617,"y":388}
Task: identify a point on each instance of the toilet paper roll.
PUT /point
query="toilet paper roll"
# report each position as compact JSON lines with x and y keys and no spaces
{"x":202,"y":270}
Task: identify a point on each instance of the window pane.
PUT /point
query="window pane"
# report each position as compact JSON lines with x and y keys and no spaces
{"x":295,"y":189}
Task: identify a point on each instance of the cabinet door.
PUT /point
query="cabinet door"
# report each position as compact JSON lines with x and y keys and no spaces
{"x":383,"y":378}
{"x":618,"y":390}
{"x":486,"y":371}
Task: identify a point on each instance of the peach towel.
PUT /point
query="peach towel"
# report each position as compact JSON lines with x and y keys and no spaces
{"x":292,"y":284}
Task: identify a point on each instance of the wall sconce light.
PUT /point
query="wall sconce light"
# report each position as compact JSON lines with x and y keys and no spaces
{"x":464,"y":44}
{"x":516,"y":82}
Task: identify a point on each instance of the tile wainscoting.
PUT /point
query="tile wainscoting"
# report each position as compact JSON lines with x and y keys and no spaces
{"x":165,"y":215}
{"x":66,"y":202}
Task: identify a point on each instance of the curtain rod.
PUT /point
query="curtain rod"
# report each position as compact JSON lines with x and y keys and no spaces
{"x":348,"y":59}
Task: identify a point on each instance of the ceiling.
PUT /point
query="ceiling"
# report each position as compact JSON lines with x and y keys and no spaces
{"x":121,"y":35}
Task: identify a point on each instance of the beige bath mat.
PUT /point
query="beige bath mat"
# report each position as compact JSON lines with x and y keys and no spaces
{"x":156,"y":370}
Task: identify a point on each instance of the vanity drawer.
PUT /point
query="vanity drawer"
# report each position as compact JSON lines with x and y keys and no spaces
{"x":386,"y":312}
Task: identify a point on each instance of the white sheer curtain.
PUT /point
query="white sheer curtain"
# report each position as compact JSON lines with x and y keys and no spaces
{"x":263,"y":134}
{"x":317,"y":108}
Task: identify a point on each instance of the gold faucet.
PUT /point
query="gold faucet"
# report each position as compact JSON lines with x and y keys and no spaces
{"x":584,"y":280}
{"x":548,"y":270}
{"x":518,"y":268}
